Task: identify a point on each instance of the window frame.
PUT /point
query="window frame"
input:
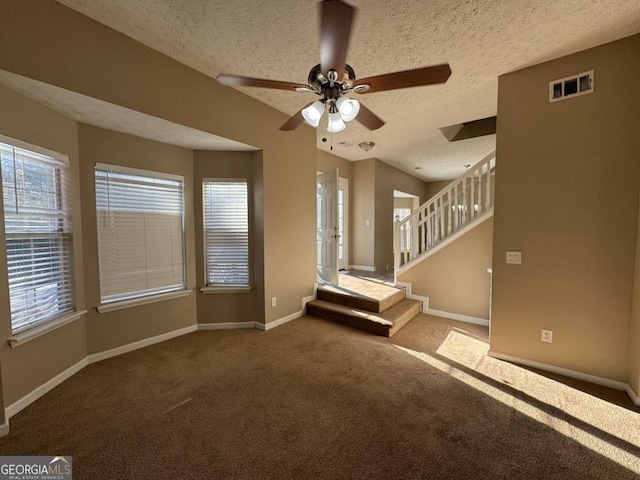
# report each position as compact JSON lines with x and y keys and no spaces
{"x":40,"y":327}
{"x":162,"y":293}
{"x":226,"y":288}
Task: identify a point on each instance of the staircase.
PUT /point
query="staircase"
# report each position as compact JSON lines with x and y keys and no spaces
{"x":368,"y":306}
{"x":455,"y":210}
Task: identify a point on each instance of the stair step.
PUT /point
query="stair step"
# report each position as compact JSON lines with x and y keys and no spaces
{"x":385,"y":324}
{"x":362,"y":302}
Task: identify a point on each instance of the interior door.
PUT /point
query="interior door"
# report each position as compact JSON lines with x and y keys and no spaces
{"x":327,"y":216}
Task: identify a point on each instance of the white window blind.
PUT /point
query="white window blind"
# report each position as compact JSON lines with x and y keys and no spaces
{"x":140,"y":232}
{"x":226,"y":232}
{"x":36,"y":191}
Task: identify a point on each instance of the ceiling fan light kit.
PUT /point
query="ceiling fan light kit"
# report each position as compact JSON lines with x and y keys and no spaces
{"x":333,"y":78}
{"x":313,"y":113}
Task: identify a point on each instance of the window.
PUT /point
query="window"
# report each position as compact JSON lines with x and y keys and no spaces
{"x":140,"y":232}
{"x":401,"y":213}
{"x":226,"y":232}
{"x":36,"y":190}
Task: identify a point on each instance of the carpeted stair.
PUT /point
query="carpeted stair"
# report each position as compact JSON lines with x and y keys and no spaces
{"x":384,"y":315}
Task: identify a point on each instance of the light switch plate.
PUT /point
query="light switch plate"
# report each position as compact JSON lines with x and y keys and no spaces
{"x":514,"y":257}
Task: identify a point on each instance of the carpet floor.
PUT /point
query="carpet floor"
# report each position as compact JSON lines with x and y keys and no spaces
{"x":313,"y":399}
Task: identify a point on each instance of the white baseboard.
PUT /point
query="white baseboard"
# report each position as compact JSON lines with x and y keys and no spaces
{"x":96,"y":357}
{"x":456,"y":316}
{"x":413,"y":296}
{"x":293,"y":316}
{"x":38,"y":392}
{"x":364,"y":268}
{"x":4,"y":428}
{"x":226,"y":325}
{"x":585,"y":377}
{"x":632,"y":395}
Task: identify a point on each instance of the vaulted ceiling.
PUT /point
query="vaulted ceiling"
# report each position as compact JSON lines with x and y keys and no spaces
{"x":278,"y":39}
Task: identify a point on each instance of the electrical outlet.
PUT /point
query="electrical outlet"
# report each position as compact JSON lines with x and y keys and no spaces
{"x":514,"y":257}
{"x":274,"y":301}
{"x":547,"y":336}
{"x":367,"y":223}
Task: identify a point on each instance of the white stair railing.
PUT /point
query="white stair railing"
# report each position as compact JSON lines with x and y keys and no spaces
{"x":456,"y":206}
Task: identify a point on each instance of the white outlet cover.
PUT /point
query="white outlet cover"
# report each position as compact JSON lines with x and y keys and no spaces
{"x":274,"y":301}
{"x":547,"y":336}
{"x":514,"y":257}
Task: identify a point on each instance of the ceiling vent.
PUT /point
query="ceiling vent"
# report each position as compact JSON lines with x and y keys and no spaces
{"x":572,"y":86}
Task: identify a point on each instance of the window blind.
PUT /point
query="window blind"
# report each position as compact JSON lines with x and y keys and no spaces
{"x":36,"y":192}
{"x":140,"y":232}
{"x":226,"y":232}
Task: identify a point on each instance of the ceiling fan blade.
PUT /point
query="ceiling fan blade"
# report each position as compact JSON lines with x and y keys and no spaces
{"x":237,"y":81}
{"x":408,"y":78}
{"x":369,"y":119}
{"x":336,"y":20}
{"x":295,"y":120}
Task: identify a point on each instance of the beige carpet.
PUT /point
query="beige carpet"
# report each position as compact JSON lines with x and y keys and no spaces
{"x":314,"y":399}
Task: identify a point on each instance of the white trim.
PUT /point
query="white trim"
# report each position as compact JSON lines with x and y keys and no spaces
{"x":632,"y":395}
{"x":45,"y":327}
{"x":96,"y":357}
{"x":293,"y":316}
{"x":457,"y":316}
{"x":585,"y":377}
{"x":450,"y":239}
{"x":413,"y":296}
{"x":209,"y":290}
{"x":34,"y":148}
{"x":226,"y":325}
{"x":134,"y":302}
{"x":364,"y":268}
{"x":4,"y":428}
{"x":110,"y":168}
{"x":38,"y":392}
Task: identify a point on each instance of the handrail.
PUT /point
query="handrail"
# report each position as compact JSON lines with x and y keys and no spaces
{"x":455,"y":206}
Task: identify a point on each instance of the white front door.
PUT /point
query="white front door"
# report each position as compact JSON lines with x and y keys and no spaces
{"x":327,"y":215}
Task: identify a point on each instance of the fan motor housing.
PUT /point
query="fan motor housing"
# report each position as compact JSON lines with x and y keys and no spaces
{"x":317,"y":81}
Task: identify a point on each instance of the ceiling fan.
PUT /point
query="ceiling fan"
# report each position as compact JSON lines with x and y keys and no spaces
{"x":332,"y":78}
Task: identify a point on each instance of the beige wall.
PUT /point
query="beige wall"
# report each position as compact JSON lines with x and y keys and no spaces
{"x":121,"y":327}
{"x":455,"y":278}
{"x":227,"y":307}
{"x":434,"y":188}
{"x":58,"y":46}
{"x":363,"y":209}
{"x":388,"y":179}
{"x":567,"y":181}
{"x":633,"y":368}
{"x":32,"y":364}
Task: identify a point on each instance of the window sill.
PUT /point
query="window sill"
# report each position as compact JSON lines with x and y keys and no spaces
{"x":208,"y":290}
{"x":110,"y":307}
{"x":46,"y":327}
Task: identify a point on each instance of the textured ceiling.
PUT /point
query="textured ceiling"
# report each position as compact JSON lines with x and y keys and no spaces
{"x":278,"y":39}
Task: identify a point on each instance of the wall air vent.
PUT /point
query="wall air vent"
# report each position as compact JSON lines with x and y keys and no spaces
{"x":572,"y":86}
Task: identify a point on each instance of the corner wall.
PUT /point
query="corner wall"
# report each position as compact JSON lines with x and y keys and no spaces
{"x":388,"y":179}
{"x":120,"y":327}
{"x":30,"y":365}
{"x":51,"y":43}
{"x":567,"y":187}
{"x":233,"y":307}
